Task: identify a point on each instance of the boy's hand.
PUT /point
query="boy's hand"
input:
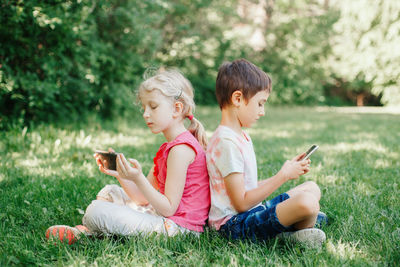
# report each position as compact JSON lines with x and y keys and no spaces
{"x":295,"y":167}
{"x":299,"y":157}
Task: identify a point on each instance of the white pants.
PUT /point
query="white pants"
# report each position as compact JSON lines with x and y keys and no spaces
{"x":120,"y":215}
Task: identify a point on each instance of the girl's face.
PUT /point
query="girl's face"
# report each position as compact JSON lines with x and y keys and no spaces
{"x":251,"y":111}
{"x":158,"y":110}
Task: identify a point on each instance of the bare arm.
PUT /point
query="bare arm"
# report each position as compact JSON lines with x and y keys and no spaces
{"x":129,"y":186}
{"x":178,"y":161}
{"x":243,"y":200}
{"x":133,"y":191}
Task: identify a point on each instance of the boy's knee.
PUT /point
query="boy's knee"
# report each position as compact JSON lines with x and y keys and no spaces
{"x":307,"y":203}
{"x":313,"y":188}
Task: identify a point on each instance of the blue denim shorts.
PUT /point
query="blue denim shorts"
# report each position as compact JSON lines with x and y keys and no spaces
{"x":259,"y":223}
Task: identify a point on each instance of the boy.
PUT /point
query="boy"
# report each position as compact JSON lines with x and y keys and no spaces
{"x":236,"y":194}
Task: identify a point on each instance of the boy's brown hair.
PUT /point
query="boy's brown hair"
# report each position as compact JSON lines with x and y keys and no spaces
{"x":240,"y":75}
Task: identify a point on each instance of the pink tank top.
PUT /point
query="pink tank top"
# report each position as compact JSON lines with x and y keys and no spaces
{"x":193,"y":209}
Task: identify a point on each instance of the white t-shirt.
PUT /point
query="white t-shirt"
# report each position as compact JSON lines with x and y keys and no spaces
{"x":228,"y":152}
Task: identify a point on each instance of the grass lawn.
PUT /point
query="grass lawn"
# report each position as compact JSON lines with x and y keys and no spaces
{"x":48,"y":176}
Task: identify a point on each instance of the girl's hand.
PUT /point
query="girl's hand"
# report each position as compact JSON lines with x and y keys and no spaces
{"x":295,"y":167}
{"x":103,"y":164}
{"x":129,"y":170}
{"x":107,"y":171}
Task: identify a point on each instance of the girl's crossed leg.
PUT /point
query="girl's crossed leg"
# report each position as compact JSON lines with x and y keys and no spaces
{"x":113,"y":212}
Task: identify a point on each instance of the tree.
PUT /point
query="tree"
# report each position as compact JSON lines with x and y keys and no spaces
{"x":365,"y":49}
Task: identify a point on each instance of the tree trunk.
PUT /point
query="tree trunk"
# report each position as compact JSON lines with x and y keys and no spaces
{"x":360,"y":99}
{"x":269,"y":8}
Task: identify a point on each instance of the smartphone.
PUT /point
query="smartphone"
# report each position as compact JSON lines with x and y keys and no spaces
{"x":310,"y":151}
{"x":109,"y":159}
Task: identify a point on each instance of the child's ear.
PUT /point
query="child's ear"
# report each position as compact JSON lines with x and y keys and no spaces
{"x":237,"y":98}
{"x":178,"y":108}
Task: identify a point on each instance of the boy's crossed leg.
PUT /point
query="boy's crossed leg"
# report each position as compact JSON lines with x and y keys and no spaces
{"x":288,"y":216}
{"x":301,"y":209}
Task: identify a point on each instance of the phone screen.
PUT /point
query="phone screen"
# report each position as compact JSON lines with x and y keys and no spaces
{"x":109,"y":159}
{"x":310,"y":151}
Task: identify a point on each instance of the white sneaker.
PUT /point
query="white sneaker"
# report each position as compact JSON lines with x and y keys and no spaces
{"x":311,"y":237}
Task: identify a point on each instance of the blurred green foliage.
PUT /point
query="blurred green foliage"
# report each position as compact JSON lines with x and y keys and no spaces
{"x":298,"y":34}
{"x":61,"y":59}
{"x":365,"y":49}
{"x":64,"y":59}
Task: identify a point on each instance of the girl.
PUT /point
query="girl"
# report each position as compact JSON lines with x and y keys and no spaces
{"x":175,"y":195}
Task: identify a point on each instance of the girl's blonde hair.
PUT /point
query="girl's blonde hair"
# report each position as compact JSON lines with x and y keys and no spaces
{"x":172,"y":84}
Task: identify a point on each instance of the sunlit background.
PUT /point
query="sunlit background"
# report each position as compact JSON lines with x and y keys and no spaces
{"x":64,"y":59}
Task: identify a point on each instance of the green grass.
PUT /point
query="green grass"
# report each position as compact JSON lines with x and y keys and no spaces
{"x":48,"y":176}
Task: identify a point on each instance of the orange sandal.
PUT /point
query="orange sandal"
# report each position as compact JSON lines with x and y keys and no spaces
{"x":65,"y":233}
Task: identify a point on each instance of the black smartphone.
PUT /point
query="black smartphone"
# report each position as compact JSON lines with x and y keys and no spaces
{"x":310,"y":151}
{"x":109,"y":159}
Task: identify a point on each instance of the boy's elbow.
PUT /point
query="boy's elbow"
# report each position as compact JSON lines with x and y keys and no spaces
{"x":241,"y":210}
{"x":240,"y":207}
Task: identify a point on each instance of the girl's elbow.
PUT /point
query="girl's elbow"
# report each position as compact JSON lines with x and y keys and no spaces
{"x":142,"y":202}
{"x":168,"y":212}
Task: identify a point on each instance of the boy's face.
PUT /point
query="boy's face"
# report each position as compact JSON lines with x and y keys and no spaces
{"x":250,"y":111}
